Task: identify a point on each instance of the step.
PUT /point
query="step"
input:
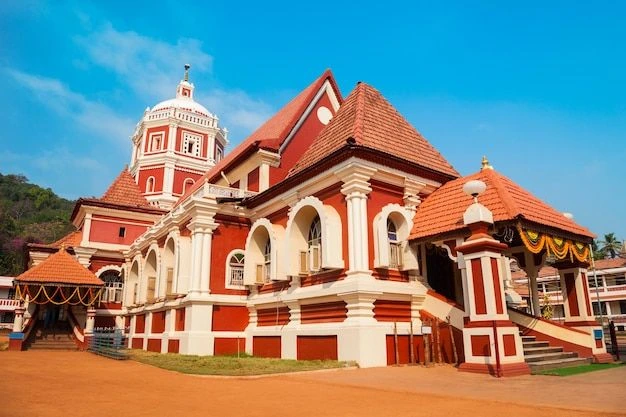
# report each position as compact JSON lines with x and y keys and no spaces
{"x":557,"y":363}
{"x":529,"y":338}
{"x":542,"y":349}
{"x":68,"y":347}
{"x":535,"y":344}
{"x":549,"y":356}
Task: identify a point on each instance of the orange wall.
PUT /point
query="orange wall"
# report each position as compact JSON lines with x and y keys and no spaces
{"x":229,"y":318}
{"x":179,"y":324}
{"x":228,"y":236}
{"x":179,"y":180}
{"x":108,"y":231}
{"x":323,"y":313}
{"x":272,"y":316}
{"x":140,"y":323}
{"x":161,"y":129}
{"x":154,"y":345}
{"x":157,"y":173}
{"x":158,"y":322}
{"x":253,"y":179}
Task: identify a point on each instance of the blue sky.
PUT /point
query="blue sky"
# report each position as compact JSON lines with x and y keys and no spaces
{"x":539,"y":87}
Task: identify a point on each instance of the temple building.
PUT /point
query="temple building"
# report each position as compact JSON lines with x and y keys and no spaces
{"x":334,"y":231}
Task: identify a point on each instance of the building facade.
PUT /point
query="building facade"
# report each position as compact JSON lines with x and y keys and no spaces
{"x":334,"y":231}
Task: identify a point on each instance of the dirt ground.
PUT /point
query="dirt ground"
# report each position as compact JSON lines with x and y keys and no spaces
{"x":50,"y":384}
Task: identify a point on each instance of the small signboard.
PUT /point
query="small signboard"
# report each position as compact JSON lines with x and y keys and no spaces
{"x":427,"y":330}
{"x":597,"y":334}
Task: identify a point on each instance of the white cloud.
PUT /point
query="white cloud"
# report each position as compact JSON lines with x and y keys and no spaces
{"x":152,"y":68}
{"x":97,"y":117}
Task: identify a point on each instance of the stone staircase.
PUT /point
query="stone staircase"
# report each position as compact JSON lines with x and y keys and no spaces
{"x":541,"y":356}
{"x":58,"y":338}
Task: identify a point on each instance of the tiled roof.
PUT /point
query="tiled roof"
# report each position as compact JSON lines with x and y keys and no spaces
{"x":125,"y":192}
{"x":368,"y":118}
{"x":271,"y":135}
{"x":60,"y":268}
{"x":442,"y":211}
{"x":70,"y":240}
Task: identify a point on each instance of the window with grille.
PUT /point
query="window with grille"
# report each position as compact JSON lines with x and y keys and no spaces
{"x":395,"y":252}
{"x":169,"y":280}
{"x":235,"y":268}
{"x":113,"y":286}
{"x":191,"y":144}
{"x":151,"y":288}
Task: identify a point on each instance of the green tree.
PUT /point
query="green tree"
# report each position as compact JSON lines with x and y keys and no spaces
{"x":611,"y":245}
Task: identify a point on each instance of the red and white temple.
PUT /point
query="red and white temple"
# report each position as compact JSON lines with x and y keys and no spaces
{"x":334,"y":231}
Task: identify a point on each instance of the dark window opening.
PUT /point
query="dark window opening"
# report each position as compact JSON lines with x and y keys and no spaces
{"x":122,"y":232}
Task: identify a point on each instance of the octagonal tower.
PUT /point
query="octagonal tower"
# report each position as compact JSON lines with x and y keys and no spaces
{"x":174,"y":144}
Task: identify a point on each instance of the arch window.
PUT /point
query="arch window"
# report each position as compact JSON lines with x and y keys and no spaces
{"x":395,"y":252}
{"x":264,"y":270}
{"x":113,"y":285}
{"x":311,"y":259}
{"x":188,"y":183}
{"x":234,"y":269}
{"x":150,"y":185}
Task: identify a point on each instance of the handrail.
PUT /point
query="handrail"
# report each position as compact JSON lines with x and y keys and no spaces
{"x":544,"y":320}
{"x":78,"y":332}
{"x":28,"y":327}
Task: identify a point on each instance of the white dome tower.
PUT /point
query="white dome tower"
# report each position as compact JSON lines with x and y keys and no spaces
{"x":174,"y":144}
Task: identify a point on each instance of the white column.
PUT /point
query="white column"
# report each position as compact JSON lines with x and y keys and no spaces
{"x":264,"y":177}
{"x":18,"y":322}
{"x":205,"y":268}
{"x":356,"y":187}
{"x":196,"y":259}
{"x":91,"y":320}
{"x":534,"y":293}
{"x":171,"y":138}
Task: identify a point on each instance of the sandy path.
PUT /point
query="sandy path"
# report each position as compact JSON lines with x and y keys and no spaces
{"x":80,"y":384}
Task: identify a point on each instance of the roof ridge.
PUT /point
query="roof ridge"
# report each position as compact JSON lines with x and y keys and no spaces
{"x":509,"y":203}
{"x":358,"y":126}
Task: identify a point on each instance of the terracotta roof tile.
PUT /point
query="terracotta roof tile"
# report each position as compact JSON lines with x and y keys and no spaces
{"x":368,"y":118}
{"x":442,"y":211}
{"x":60,"y":268}
{"x":271,"y":135}
{"x":124,"y":191}
{"x":69,"y":241}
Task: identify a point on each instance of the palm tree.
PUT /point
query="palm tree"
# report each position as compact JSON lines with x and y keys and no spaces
{"x":611,"y":245}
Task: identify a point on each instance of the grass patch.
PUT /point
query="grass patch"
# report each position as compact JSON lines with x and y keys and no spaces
{"x":229,"y":365}
{"x":575,"y":370}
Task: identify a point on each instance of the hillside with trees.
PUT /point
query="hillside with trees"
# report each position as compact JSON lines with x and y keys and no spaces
{"x":28,"y":214}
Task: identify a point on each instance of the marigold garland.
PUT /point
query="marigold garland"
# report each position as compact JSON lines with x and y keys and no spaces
{"x":86,"y":297}
{"x":535,"y":242}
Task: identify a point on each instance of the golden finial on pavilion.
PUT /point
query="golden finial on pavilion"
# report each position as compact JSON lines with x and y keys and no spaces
{"x":187,"y":66}
{"x":63,"y":247}
{"x":485,"y":163}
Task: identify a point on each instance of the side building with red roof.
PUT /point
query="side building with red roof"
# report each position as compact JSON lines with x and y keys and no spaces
{"x":334,"y":231}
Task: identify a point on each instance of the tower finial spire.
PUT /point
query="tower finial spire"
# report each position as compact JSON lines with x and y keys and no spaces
{"x":485,"y":163}
{"x":187,"y":66}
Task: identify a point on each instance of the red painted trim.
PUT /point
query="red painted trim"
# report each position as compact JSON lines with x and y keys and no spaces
{"x":323,"y":313}
{"x":506,"y":369}
{"x":158,"y":322}
{"x":140,"y":323}
{"x":273,"y":316}
{"x":572,"y":299}
{"x":585,"y":286}
{"x":154,"y":345}
{"x":229,"y":345}
{"x":137,"y":343}
{"x":322,"y":278}
{"x":487,"y":245}
{"x":486,"y":323}
{"x":392,"y":311}
{"x":481,"y":345}
{"x":509,"y":345}
{"x":173,"y":346}
{"x":479,"y":287}
{"x":316,"y":347}
{"x":274,"y":286}
{"x":582,"y":323}
{"x":229,"y":318}
{"x":179,"y":325}
{"x":266,"y":346}
{"x":497,"y":285}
